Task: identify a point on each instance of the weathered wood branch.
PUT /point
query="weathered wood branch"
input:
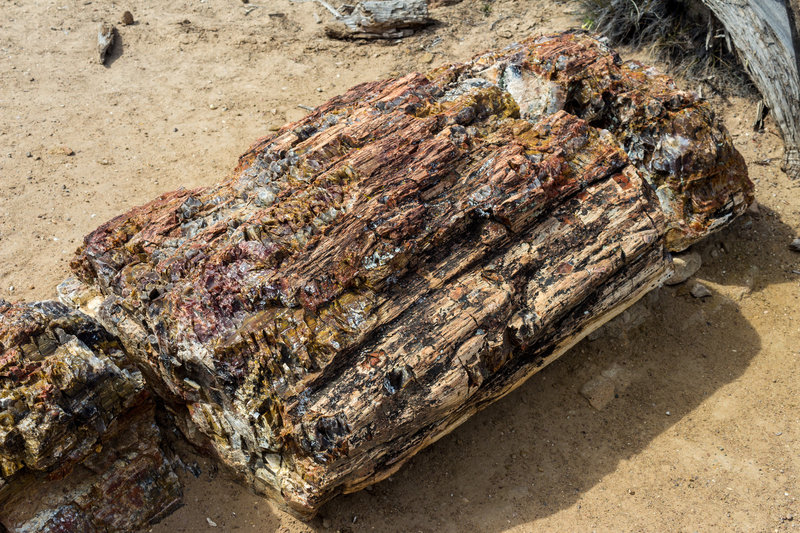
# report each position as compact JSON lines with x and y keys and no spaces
{"x":766,"y":34}
{"x":384,"y":19}
{"x":412,"y":250}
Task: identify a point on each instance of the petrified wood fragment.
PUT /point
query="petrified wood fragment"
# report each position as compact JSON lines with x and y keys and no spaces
{"x":79,"y":448}
{"x":372,"y":275}
{"x":380,"y":19}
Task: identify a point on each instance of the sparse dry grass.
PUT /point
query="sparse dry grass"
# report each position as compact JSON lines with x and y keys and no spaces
{"x":684,"y":34}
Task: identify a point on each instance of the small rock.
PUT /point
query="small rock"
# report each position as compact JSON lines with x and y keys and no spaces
{"x":105,"y":39}
{"x":505,"y":34}
{"x":700,"y":291}
{"x":684,"y":266}
{"x":326,"y":523}
{"x":127,"y":18}
{"x":62,"y":150}
{"x":753,"y":209}
{"x":427,"y":57}
{"x":599,"y":391}
{"x":211,"y":522}
{"x":795,"y":245}
{"x":29,"y":154}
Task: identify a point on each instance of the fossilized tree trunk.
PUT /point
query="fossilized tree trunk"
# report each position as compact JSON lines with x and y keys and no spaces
{"x":412,"y":250}
{"x":79,"y":446}
{"x":766,"y":34}
{"x":387,"y":19}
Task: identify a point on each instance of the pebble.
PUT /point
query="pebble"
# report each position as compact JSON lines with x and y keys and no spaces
{"x":212,"y":106}
{"x":700,"y":291}
{"x":326,"y":523}
{"x":127,"y":18}
{"x":62,"y":150}
{"x":684,"y":266}
{"x":795,"y":245}
{"x":427,"y":57}
{"x":29,"y":154}
{"x":211,"y":522}
{"x":599,"y":391}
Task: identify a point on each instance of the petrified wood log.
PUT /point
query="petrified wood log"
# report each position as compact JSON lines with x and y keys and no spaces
{"x":380,"y":19}
{"x":373,"y":274}
{"x":79,"y":448}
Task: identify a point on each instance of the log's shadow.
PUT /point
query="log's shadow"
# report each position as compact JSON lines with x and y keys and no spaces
{"x":537,"y":450}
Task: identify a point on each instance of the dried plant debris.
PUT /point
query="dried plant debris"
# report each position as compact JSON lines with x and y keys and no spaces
{"x":410,"y":251}
{"x":79,"y":448}
{"x":686,"y":35}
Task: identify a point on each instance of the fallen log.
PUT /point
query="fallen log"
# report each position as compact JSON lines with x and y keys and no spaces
{"x":373,"y":274}
{"x":79,"y":447}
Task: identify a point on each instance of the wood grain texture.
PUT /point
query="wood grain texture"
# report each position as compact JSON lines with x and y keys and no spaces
{"x":766,"y":36}
{"x":375,"y":273}
{"x":380,"y":19}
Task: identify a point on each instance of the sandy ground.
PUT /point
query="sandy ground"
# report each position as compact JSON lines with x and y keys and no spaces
{"x":704,"y":433}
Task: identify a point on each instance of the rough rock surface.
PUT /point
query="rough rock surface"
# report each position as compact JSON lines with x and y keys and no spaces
{"x":79,"y":448}
{"x":380,"y":19}
{"x":684,"y":266}
{"x":372,"y":275}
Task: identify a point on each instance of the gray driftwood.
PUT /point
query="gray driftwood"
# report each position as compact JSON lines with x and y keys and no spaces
{"x":765,"y":34}
{"x":380,"y":19}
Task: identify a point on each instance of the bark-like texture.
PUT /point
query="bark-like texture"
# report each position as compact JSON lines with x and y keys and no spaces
{"x":766,"y":34}
{"x":375,"y":273}
{"x":79,"y":448}
{"x":380,"y":19}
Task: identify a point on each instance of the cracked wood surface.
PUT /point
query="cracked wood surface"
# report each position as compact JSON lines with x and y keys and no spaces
{"x":412,"y":250}
{"x":79,"y":446}
{"x":766,"y":34}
